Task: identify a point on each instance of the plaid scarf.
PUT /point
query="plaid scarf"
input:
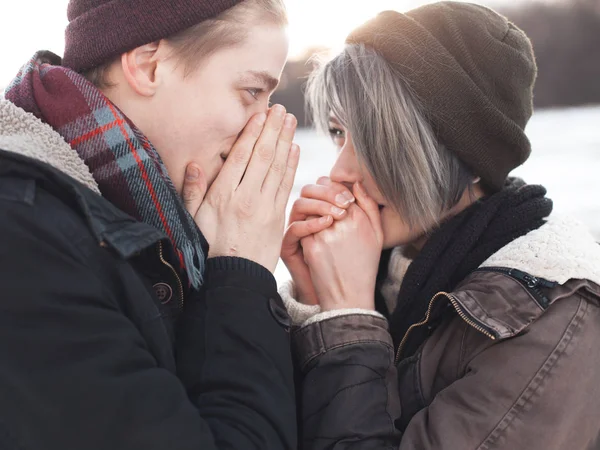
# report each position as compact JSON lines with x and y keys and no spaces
{"x":126,"y":166}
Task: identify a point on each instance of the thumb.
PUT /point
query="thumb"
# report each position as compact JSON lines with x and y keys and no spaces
{"x":370,"y":208}
{"x":301,"y":229}
{"x":194,"y":188}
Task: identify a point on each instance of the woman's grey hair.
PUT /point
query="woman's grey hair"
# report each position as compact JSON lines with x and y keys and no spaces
{"x":392,"y":137}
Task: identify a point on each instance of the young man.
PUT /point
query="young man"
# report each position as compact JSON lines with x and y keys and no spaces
{"x":116,"y":332}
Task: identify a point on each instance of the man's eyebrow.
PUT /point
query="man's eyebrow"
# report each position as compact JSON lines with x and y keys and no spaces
{"x":261,"y":77}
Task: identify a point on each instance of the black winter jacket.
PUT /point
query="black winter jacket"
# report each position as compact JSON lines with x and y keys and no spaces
{"x":100,"y":351}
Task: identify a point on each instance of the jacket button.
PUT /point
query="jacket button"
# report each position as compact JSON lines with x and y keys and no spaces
{"x":163,"y":292}
{"x":280,"y":314}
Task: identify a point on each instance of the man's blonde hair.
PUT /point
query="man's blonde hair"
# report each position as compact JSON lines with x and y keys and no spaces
{"x":193,"y":45}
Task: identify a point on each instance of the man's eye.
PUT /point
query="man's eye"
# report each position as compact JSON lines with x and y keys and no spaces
{"x":254,"y":92}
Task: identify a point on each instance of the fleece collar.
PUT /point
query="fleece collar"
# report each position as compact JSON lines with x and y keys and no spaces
{"x":24,"y":134}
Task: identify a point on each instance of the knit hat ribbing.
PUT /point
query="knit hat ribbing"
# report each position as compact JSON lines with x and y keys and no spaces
{"x":99,"y":30}
{"x":472,"y":70}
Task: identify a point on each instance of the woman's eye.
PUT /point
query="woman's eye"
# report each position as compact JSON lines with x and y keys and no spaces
{"x":336,"y":132}
{"x":337,"y":135}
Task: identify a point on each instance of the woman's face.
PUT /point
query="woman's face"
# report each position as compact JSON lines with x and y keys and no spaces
{"x":198,"y":117}
{"x":396,"y":231}
{"x":348,"y":170}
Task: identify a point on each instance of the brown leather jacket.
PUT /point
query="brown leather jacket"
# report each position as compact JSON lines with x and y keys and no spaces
{"x":518,"y":366}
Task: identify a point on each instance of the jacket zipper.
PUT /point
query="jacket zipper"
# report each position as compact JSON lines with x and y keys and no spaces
{"x":463,"y":315}
{"x":179,"y":283}
{"x":531,"y":283}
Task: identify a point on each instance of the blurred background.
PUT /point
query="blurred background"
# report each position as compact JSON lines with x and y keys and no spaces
{"x":565,"y":129}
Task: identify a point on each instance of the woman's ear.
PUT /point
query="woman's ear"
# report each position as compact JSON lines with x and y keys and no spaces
{"x":140,"y":68}
{"x":476,"y":180}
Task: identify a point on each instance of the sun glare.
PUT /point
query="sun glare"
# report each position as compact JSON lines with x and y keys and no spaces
{"x":313,"y":23}
{"x":326,"y":23}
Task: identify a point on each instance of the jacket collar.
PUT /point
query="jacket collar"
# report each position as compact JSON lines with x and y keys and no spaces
{"x":561,"y":251}
{"x":30,"y":148}
{"x":560,"y":258}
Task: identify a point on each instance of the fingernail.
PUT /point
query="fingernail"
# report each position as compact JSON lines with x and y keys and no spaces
{"x":349,"y":196}
{"x":261,"y":118}
{"x":289,"y":121}
{"x":323,"y":220}
{"x":343,"y":200}
{"x":337,"y":211}
{"x":278,"y":110}
{"x":192,"y":173}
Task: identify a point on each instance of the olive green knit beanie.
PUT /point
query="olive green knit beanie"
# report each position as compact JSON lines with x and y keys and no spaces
{"x":472,"y":70}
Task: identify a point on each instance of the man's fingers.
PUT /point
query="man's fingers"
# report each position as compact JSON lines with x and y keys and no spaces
{"x":279,"y":167}
{"x":264,"y":150}
{"x":305,"y":207}
{"x":287,"y":183}
{"x":194,"y":188}
{"x":237,"y":162}
{"x":336,"y":194}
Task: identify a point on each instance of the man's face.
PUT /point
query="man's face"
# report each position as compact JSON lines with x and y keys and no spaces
{"x":198,"y":117}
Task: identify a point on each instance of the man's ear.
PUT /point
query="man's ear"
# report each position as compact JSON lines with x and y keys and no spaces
{"x":140,"y":67}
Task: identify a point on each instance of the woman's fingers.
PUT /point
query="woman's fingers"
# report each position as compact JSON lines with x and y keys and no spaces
{"x":265,"y":150}
{"x":305,"y":207}
{"x":194,"y":188}
{"x":236,"y":164}
{"x":303,"y":228}
{"x":324,"y":181}
{"x":370,"y":208}
{"x":336,"y":194}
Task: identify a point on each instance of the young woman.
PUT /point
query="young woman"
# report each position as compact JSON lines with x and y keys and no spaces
{"x":115,"y":331}
{"x":438,"y":303}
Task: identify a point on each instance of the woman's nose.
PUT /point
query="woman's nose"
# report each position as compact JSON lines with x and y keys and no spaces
{"x":345,"y":170}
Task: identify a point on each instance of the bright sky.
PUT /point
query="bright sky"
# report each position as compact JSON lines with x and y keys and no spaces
{"x":31,"y":25}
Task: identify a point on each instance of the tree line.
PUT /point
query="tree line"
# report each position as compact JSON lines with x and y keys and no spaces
{"x":566,"y":38}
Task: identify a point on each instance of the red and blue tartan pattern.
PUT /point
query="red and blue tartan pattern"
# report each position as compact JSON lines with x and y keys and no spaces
{"x":126,"y":166}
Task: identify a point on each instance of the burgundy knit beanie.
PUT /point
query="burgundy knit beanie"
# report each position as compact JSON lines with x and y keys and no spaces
{"x":472,"y":70}
{"x":100,"y":30}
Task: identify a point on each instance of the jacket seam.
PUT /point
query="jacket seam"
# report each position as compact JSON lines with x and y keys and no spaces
{"x":419,"y":379}
{"x":525,"y":398}
{"x":387,"y":393}
{"x":462,"y":355}
{"x":324,"y":349}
